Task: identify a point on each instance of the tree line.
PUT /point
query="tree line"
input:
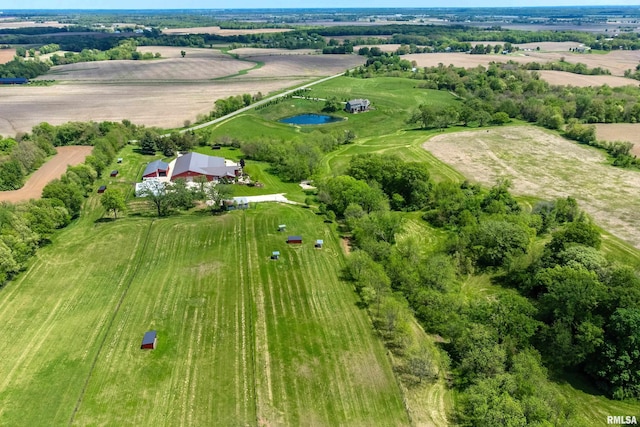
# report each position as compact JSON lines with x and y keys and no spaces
{"x":557,"y":303}
{"x":24,"y":227}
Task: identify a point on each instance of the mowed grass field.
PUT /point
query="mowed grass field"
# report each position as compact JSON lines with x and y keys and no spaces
{"x":242,"y":339}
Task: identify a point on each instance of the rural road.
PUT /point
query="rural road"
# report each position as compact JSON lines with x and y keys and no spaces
{"x":257,"y":104}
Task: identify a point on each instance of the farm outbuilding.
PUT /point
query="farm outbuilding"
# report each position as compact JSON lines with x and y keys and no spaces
{"x":357,"y":105}
{"x":319,"y":244}
{"x":156,"y":169}
{"x":102,"y":189}
{"x":149,"y":340}
{"x":282,"y":227}
{"x":294,"y":239}
{"x":113,"y":173}
{"x":13,"y":81}
{"x":275,"y":255}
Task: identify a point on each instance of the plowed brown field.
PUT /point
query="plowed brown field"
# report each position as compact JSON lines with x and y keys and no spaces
{"x":52,"y":169}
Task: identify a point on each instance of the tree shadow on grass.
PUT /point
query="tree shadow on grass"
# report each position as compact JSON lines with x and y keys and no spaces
{"x":104,"y":219}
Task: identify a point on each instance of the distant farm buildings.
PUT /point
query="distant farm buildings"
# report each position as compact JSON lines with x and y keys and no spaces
{"x":13,"y":81}
{"x":212,"y":168}
{"x":357,"y":106}
{"x":102,"y":189}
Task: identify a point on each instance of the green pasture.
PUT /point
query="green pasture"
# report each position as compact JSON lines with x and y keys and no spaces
{"x":243,"y":340}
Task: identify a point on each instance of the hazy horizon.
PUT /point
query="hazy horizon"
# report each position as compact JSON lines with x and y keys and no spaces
{"x":303,"y":4}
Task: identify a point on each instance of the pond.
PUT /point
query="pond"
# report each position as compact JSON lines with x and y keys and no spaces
{"x":310,"y":119}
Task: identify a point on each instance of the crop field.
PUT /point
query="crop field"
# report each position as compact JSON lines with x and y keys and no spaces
{"x":546,"y":166}
{"x":6,"y":55}
{"x":223,"y":32}
{"x":242,"y":339}
{"x":562,"y":78}
{"x":617,"y":62}
{"x":306,"y":62}
{"x":52,"y":169}
{"x":163,"y":92}
{"x":198,"y":64}
{"x":629,"y":132}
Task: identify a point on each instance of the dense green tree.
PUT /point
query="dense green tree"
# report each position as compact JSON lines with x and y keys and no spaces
{"x":113,"y":200}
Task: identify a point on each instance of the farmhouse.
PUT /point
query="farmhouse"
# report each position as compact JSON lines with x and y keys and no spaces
{"x":319,"y":244}
{"x":275,"y":255}
{"x":13,"y":81}
{"x":294,"y":239}
{"x":149,"y":341}
{"x":357,"y":105}
{"x":195,"y":164}
{"x":156,"y":169}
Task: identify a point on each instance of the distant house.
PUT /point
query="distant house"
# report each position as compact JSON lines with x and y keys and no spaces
{"x":319,"y":244}
{"x":102,"y":189}
{"x":275,"y":255}
{"x":156,"y":169}
{"x":149,"y":340}
{"x":294,"y":239}
{"x":213,"y":168}
{"x":13,"y":81}
{"x":113,"y":173}
{"x":357,"y":105}
{"x":282,"y":227}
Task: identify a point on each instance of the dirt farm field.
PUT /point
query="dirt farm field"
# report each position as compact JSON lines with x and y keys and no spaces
{"x":629,"y":132}
{"x":547,"y":166}
{"x":616,"y":62}
{"x":163,"y":92}
{"x":6,"y":55}
{"x":561,"y":78}
{"x":52,"y":169}
{"x":223,"y":32}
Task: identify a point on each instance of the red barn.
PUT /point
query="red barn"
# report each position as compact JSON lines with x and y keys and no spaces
{"x":114,"y":173}
{"x":102,"y":189}
{"x":294,"y":239}
{"x":149,"y":341}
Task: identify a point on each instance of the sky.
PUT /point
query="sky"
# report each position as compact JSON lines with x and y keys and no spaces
{"x":250,"y":4}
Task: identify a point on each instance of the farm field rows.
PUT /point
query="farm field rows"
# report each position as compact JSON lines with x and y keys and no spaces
{"x":546,"y":166}
{"x":242,"y":340}
{"x":162,"y":93}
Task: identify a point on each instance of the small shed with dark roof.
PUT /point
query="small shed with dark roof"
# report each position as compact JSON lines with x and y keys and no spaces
{"x":102,"y":189}
{"x":114,"y":173}
{"x":149,"y":340}
{"x":294,"y":239}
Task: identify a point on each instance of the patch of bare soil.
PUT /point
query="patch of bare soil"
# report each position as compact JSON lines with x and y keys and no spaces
{"x":223,"y":32}
{"x":29,"y":24}
{"x":346,"y":245}
{"x":546,"y":166}
{"x":562,"y":78}
{"x":616,"y":61}
{"x":6,"y":55}
{"x":626,"y":132}
{"x":54,"y":168}
{"x":165,"y":105}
